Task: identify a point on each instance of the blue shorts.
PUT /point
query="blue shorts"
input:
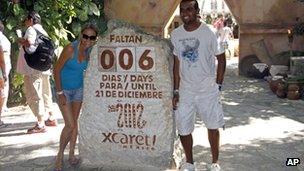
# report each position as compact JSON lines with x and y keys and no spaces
{"x":75,"y":95}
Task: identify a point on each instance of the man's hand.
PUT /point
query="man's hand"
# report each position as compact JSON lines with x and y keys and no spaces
{"x":220,"y":87}
{"x":23,"y":42}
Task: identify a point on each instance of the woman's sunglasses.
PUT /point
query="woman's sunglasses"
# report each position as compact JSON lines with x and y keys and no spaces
{"x":89,"y":37}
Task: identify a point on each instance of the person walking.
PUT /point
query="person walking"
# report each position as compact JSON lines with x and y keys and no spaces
{"x":5,"y":65}
{"x":6,"y":47}
{"x":224,"y":36}
{"x":36,"y":83}
{"x":68,"y":73}
{"x":197,"y":81}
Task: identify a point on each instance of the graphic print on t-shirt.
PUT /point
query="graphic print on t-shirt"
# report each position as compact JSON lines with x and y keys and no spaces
{"x":190,"y":50}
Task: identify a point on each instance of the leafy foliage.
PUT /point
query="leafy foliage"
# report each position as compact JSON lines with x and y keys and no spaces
{"x":62,"y":19}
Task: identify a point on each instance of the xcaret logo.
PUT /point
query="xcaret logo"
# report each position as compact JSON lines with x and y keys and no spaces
{"x":138,"y":142}
{"x":292,"y":161}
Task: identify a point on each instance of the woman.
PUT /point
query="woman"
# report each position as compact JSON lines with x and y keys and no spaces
{"x":68,"y":74}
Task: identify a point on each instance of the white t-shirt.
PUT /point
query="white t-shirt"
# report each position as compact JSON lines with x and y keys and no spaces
{"x":196,"y":52}
{"x":30,"y":35}
{"x":6,"y":47}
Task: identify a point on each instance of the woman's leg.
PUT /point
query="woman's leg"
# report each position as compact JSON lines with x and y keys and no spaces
{"x":66,"y":133}
{"x":76,"y":106}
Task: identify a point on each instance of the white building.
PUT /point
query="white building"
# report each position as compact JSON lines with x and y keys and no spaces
{"x":213,"y":6}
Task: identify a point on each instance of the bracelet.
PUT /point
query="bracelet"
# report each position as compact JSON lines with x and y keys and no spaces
{"x":175,"y":92}
{"x":59,"y":92}
{"x":220,"y":86}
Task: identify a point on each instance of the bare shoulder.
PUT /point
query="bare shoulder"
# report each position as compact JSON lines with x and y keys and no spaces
{"x":67,"y":52}
{"x":68,"y":48}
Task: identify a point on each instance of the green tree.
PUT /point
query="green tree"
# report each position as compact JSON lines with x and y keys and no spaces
{"x":62,"y":19}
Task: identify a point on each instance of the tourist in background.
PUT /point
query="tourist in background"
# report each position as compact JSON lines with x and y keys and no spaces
{"x":5,"y":65}
{"x":224,"y":36}
{"x":36,"y":83}
{"x":6,"y":47}
{"x":2,"y":82}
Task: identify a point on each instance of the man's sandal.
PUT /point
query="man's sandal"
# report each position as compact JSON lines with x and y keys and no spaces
{"x":74,"y":161}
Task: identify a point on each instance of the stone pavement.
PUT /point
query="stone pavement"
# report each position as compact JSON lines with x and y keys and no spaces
{"x":262,"y":131}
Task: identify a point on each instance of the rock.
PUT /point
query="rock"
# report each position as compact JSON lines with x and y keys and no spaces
{"x":127,"y":119}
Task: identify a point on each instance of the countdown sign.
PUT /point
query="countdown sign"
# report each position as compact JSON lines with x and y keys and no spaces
{"x":127,"y":119}
{"x":127,"y":59}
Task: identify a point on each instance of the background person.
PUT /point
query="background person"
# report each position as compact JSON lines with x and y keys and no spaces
{"x":36,"y":83}
{"x":197,"y":81}
{"x":224,"y":36}
{"x":6,"y":67}
{"x":1,"y":83}
{"x":68,"y":74}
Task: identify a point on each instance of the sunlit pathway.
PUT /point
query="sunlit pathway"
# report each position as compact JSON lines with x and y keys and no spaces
{"x":262,"y":131}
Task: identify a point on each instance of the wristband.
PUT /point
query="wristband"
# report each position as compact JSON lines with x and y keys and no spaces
{"x":175,"y":92}
{"x":59,"y":92}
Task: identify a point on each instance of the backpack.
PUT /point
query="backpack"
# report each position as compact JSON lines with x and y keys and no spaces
{"x":42,"y":58}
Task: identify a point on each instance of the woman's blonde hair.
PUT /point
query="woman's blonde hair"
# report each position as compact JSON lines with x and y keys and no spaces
{"x":90,"y":26}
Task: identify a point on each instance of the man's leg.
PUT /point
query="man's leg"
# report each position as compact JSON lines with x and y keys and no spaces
{"x":5,"y":93}
{"x":47,"y":100}
{"x":33,"y":93}
{"x":187,"y":143}
{"x":214,"y":140}
{"x":1,"y":104}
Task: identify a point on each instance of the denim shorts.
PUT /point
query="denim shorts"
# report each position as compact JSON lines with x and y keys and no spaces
{"x":75,"y":95}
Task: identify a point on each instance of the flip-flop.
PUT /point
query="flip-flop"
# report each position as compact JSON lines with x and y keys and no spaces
{"x":74,"y":161}
{"x":2,"y":124}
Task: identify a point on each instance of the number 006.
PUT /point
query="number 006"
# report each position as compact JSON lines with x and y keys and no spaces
{"x":139,"y":59}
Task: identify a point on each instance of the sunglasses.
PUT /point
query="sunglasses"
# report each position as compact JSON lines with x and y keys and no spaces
{"x":89,"y":37}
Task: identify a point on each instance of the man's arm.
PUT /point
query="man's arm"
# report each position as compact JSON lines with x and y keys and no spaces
{"x":176,"y":73}
{"x":176,"y":80}
{"x":28,"y":41}
{"x":1,"y":65}
{"x":221,"y":67}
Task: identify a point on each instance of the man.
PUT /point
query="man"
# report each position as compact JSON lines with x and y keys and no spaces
{"x":5,"y":65}
{"x":36,"y":83}
{"x":196,"y":81}
{"x":219,"y":22}
{"x":224,"y":36}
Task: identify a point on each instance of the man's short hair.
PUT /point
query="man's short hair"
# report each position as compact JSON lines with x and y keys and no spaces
{"x":1,"y":26}
{"x":35,"y":17}
{"x":195,"y":1}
